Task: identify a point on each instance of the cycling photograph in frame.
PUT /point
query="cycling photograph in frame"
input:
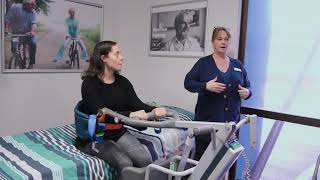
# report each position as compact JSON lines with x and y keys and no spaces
{"x":49,"y":36}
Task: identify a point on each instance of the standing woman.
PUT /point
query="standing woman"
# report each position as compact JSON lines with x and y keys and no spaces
{"x":103,"y":86}
{"x":221,"y":82}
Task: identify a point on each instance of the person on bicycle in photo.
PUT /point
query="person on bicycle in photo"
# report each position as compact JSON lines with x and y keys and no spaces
{"x":21,"y":19}
{"x":72,"y":31}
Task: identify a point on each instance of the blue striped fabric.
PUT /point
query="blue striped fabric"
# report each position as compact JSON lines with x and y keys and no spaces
{"x":169,"y":141}
{"x":49,"y":154}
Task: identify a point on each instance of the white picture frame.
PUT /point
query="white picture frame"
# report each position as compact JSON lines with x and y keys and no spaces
{"x":163,"y":39}
{"x":51,"y":34}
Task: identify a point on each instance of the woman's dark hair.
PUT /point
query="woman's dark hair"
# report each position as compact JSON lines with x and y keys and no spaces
{"x":216,"y":30}
{"x":96,"y":65}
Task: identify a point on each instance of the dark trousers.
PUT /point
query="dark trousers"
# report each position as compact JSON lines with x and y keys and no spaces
{"x":31,"y":41}
{"x":126,"y":152}
{"x":202,"y":143}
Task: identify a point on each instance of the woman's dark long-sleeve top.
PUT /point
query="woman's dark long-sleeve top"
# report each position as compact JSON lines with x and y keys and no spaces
{"x":211,"y":106}
{"x":118,"y":96}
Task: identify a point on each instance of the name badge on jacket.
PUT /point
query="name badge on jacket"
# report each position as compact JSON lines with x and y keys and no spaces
{"x":237,"y":69}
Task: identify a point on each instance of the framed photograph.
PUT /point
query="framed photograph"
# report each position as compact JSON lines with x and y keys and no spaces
{"x":178,"y":29}
{"x":49,"y":35}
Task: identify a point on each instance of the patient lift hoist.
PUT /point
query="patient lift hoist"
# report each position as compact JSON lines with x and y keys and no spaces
{"x":216,"y":161}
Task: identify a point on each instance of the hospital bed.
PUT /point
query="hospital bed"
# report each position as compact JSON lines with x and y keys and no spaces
{"x":51,"y":154}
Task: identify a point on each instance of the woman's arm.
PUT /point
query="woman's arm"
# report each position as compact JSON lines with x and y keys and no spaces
{"x":135,"y":103}
{"x":246,"y":82}
{"x":192,"y":80}
{"x":91,"y":96}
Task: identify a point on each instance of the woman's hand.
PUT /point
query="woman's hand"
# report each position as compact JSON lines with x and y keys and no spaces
{"x":243,"y":92}
{"x":215,"y":86}
{"x":160,"y":112}
{"x":139,"y":114}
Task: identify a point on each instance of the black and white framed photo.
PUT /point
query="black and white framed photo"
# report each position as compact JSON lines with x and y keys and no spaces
{"x":178,"y":29}
{"x":49,"y":36}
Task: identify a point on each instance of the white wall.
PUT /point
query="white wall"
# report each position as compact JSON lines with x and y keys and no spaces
{"x":37,"y":101}
{"x":32,"y":101}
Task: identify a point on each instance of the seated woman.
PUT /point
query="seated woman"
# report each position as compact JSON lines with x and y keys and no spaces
{"x":103,"y":86}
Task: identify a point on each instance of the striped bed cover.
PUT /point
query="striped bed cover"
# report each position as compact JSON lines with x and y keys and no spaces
{"x":50,"y":153}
